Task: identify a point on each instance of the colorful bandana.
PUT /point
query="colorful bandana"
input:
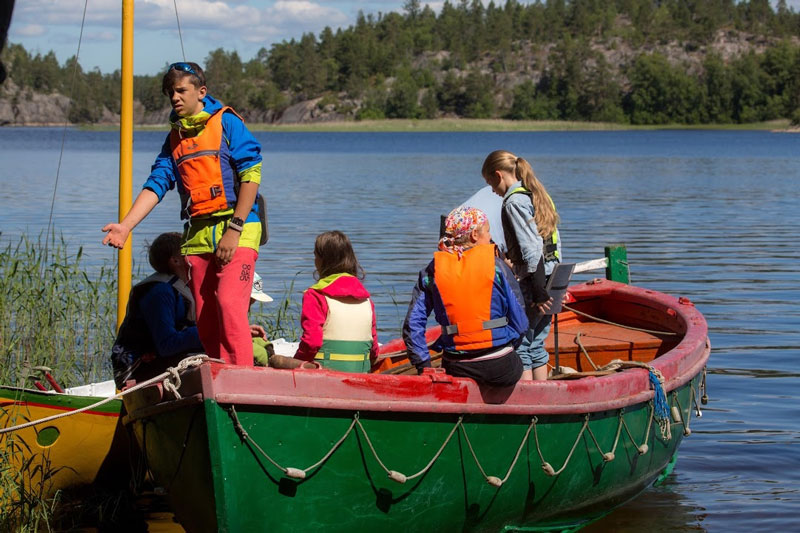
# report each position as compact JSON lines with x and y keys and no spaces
{"x":458,"y":224}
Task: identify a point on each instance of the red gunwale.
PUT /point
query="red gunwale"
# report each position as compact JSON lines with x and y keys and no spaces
{"x":440,"y":393}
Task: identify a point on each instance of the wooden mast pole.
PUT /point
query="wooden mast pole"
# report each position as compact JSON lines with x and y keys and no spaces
{"x":125,"y":257}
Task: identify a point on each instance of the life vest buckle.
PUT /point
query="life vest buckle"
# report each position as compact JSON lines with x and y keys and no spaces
{"x":215,"y":190}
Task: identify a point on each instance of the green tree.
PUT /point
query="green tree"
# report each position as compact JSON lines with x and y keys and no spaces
{"x":402,"y":99}
{"x":531,"y":104}
{"x":661,"y":93}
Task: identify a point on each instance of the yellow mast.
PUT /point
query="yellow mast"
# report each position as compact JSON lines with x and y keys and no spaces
{"x":125,"y":257}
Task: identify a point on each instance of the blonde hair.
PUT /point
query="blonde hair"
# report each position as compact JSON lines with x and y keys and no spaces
{"x":336,"y":255}
{"x":544,"y":212}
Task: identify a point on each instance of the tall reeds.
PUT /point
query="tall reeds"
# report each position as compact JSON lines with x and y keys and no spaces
{"x":53,"y":314}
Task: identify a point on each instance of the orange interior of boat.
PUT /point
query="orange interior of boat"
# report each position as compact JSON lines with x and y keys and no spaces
{"x":586,"y":343}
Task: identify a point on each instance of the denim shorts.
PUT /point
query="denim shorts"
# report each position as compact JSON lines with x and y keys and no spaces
{"x":531,"y":350}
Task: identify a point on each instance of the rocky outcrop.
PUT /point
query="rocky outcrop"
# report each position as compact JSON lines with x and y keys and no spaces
{"x":23,"y":107}
{"x":527,"y":62}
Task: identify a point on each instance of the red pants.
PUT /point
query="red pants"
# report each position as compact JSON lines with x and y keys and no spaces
{"x":222,"y":299}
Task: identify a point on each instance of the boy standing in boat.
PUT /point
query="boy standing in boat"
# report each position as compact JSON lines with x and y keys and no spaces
{"x":216,"y":164}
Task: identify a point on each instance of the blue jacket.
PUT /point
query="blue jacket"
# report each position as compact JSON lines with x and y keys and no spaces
{"x":156,"y":323}
{"x":507,"y":301}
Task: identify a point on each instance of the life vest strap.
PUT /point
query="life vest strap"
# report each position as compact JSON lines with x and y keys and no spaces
{"x":340,"y":357}
{"x":472,"y":326}
{"x":550,"y":251}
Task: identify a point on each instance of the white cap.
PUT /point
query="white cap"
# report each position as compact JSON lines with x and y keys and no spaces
{"x":256,"y":293}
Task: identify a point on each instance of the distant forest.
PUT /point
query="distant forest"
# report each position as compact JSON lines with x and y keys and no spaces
{"x":623,"y":61}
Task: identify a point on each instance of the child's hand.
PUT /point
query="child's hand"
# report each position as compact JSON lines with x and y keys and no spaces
{"x":116,"y":235}
{"x":227,"y":246}
{"x":257,"y":331}
{"x":544,"y":307}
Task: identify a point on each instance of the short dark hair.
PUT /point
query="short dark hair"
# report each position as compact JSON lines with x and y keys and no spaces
{"x":164,"y":247}
{"x":174,"y":75}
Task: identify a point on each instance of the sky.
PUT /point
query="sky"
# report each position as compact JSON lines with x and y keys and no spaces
{"x":243,"y":26}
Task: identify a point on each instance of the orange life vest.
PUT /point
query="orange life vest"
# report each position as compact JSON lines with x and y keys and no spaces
{"x":465,"y":285}
{"x":205,"y":167}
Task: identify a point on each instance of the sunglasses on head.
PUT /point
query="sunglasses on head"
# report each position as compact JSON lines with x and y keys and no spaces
{"x":183,"y":67}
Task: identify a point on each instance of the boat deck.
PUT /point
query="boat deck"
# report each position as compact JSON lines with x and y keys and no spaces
{"x":603,"y":342}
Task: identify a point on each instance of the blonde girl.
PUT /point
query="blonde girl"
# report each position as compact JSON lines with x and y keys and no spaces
{"x":533,"y":246}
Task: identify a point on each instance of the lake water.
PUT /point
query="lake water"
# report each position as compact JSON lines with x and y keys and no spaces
{"x":708,"y":215}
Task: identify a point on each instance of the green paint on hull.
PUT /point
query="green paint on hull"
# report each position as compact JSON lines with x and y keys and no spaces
{"x":58,"y":401}
{"x":217,"y":482}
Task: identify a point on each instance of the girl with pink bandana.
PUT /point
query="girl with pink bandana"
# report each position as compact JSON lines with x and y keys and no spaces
{"x":477,"y":301}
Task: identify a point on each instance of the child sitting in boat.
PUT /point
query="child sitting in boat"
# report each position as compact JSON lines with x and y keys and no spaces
{"x":159,"y":329}
{"x":477,"y":301}
{"x":338,"y":315}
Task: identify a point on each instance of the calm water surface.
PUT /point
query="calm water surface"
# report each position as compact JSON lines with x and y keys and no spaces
{"x":707,"y":215}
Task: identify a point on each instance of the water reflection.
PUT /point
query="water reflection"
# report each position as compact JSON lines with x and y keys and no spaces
{"x":658,"y":509}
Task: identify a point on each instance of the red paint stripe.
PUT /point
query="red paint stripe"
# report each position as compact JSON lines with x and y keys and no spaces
{"x":57,"y":408}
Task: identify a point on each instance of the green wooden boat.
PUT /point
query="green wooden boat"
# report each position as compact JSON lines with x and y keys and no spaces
{"x":262,"y":449}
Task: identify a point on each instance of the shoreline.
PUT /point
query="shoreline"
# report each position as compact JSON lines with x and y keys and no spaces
{"x":451,"y":125}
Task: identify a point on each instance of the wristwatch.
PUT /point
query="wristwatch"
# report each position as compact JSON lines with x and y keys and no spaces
{"x":237,"y":224}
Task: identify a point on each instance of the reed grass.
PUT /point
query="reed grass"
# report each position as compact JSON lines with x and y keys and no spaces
{"x":282,"y":317}
{"x":53,"y":314}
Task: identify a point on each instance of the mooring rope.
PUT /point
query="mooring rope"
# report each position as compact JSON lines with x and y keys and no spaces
{"x":583,"y":349}
{"x":604,"y":321}
{"x":656,"y":379}
{"x":167,"y":376}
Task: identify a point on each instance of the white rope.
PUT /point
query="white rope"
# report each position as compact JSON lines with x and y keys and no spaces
{"x":586,"y":353}
{"x":173,"y":372}
{"x":398,"y":476}
{"x":296,"y":473}
{"x":494,"y":480}
{"x":642,"y":448}
{"x":685,"y":420}
{"x":548,"y":469}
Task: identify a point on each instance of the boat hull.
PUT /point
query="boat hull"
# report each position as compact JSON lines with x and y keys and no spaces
{"x":64,"y":453}
{"x":230,"y":450}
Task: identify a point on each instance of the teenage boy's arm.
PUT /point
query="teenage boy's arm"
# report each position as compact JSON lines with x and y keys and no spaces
{"x":230,"y":239}
{"x":117,"y":234}
{"x":246,"y":153}
{"x":161,"y":179}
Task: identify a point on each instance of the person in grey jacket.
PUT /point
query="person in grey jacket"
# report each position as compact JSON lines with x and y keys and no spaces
{"x":533,"y":247}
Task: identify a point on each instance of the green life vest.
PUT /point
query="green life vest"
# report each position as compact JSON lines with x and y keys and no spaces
{"x":346,"y":335}
{"x":550,"y":249}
